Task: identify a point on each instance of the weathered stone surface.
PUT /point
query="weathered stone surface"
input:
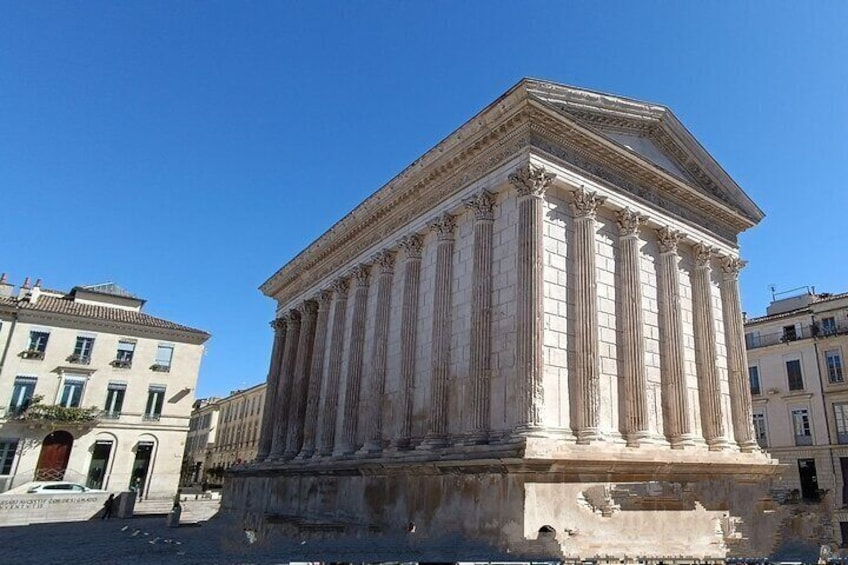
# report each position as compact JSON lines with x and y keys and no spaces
{"x":554,"y":376}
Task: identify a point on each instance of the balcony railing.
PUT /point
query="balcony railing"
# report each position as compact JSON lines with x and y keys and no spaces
{"x":753,"y":340}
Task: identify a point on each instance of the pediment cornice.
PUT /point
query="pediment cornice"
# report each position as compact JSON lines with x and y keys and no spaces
{"x":511,"y":126}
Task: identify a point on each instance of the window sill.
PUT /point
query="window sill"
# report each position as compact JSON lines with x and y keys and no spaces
{"x":798,"y":394}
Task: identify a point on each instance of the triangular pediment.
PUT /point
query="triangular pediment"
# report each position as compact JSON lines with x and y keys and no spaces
{"x":651,"y":133}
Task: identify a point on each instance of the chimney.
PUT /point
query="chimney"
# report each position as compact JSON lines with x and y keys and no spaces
{"x":6,"y":288}
{"x":22,"y":292}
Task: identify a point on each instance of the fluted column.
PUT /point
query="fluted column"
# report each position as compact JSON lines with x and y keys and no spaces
{"x":284,"y":387}
{"x":586,"y":367}
{"x":483,"y":206}
{"x":674,"y":393}
{"x":334,"y":369}
{"x":709,"y":390}
{"x":530,"y":182}
{"x":355,"y":355}
{"x":308,"y":313}
{"x":737,"y":355}
{"x":316,"y":375}
{"x":271,"y":383}
{"x":634,"y":420}
{"x":444,"y":227}
{"x":385,"y":262}
{"x":411,"y":246}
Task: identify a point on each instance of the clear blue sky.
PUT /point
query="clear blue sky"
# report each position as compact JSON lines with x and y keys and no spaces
{"x":187,"y":150}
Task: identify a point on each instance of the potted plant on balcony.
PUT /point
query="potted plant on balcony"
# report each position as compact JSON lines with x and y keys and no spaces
{"x":39,"y":413}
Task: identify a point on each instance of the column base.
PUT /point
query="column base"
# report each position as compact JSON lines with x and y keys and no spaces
{"x":305,"y":454}
{"x":474,"y":438}
{"x":750,"y":446}
{"x":434,"y":441}
{"x":644,"y":437}
{"x":589,"y":435}
{"x":682,"y":441}
{"x":371,"y":447}
{"x":718,"y":444}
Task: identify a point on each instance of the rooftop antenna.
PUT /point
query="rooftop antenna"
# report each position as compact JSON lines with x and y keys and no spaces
{"x":772,"y":289}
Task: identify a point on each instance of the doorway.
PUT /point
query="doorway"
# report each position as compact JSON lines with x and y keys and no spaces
{"x":99,"y":462}
{"x":54,"y":456}
{"x":843,"y":463}
{"x":809,"y":481}
{"x":141,"y":467}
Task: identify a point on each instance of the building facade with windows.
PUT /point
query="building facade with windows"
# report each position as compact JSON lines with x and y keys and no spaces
{"x":222,"y":433}
{"x":93,"y":390}
{"x":202,"y":434}
{"x":531,"y":338}
{"x":796,"y":368}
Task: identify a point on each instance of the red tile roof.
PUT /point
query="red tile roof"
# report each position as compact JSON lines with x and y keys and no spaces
{"x":68,"y":307}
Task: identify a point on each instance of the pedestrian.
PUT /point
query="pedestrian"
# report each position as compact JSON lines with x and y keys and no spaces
{"x":107,"y":507}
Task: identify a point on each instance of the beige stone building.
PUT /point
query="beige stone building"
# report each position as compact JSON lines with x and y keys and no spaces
{"x":94,"y":390}
{"x":796,"y":364}
{"x":223,"y":432}
{"x":529,"y":340}
{"x":202,"y":434}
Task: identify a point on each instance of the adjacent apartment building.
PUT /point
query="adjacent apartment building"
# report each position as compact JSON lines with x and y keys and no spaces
{"x":222,"y":433}
{"x":92,"y":389}
{"x":796,"y":365}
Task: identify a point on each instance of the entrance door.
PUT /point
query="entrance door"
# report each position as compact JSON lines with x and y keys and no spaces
{"x":55,"y":453}
{"x":843,"y":462}
{"x":99,"y":462}
{"x":141,"y":466}
{"x":809,"y":481}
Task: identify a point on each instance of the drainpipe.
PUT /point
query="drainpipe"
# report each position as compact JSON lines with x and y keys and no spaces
{"x":824,"y":404}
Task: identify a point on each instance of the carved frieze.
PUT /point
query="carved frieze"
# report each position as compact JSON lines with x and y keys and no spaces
{"x":482,"y":204}
{"x":585,"y":203}
{"x":530,"y":180}
{"x":629,"y":222}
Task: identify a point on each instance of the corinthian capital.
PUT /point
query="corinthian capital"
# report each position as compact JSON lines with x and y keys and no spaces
{"x":530,"y":180}
{"x":412,"y":245}
{"x":731,"y":267}
{"x":629,"y":222}
{"x":292,"y":318}
{"x":668,"y":239}
{"x":341,"y":286}
{"x":585,"y":203}
{"x":483,"y":205}
{"x":703,"y":254}
{"x":323,"y":298}
{"x":278,"y":324}
{"x":308,"y":309}
{"x":444,"y":226}
{"x":385,"y":260}
{"x":361,"y":273}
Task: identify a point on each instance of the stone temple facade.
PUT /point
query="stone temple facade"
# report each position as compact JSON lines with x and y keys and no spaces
{"x":530,"y":340}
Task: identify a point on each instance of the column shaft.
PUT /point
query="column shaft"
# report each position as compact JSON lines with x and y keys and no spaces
{"x":308,"y":313}
{"x":385,"y":261}
{"x":355,"y":356}
{"x":284,"y":387}
{"x":634,"y":420}
{"x":530,"y":183}
{"x":586,"y":366}
{"x":334,"y":370}
{"x":411,"y":245}
{"x":271,"y":384}
{"x":316,"y":376}
{"x":483,"y":204}
{"x":444,"y":227}
{"x":674,"y":391}
{"x":709,"y":390}
{"x":737,"y":356}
